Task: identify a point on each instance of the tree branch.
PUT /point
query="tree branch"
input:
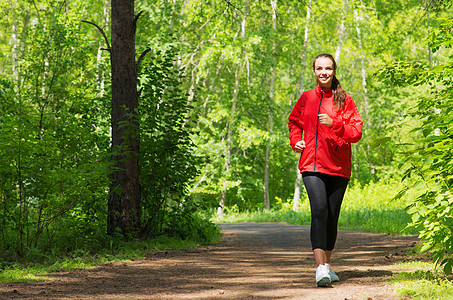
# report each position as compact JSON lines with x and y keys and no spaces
{"x":138,"y":16}
{"x":232,"y":5}
{"x":37,"y":11}
{"x":109,"y":49}
{"x":142,"y":56}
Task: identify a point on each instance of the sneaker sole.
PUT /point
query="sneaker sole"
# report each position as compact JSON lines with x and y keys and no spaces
{"x":334,"y":278}
{"x":325,"y":281}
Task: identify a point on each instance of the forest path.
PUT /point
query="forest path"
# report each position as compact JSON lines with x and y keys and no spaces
{"x":253,"y":261}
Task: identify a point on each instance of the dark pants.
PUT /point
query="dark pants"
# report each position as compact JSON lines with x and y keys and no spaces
{"x":325,"y":193}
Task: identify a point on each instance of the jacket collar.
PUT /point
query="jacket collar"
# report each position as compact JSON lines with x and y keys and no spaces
{"x":324,"y":90}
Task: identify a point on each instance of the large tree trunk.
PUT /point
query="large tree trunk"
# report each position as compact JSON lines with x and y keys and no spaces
{"x":124,"y":200}
{"x":299,"y":90}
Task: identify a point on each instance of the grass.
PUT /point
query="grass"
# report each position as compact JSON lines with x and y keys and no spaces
{"x":25,"y":272}
{"x":365,"y":208}
{"x":421,"y":281}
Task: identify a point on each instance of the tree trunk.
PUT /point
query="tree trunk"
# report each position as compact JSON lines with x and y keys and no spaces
{"x":342,"y":32}
{"x":19,"y":43}
{"x":366,"y":106}
{"x":300,"y":84}
{"x":124,"y":201}
{"x":15,"y":44}
{"x":267,"y":200}
{"x":229,"y":143}
{"x":362,"y":62}
{"x":299,"y":90}
{"x":100,"y":75}
{"x":220,"y":208}
{"x":297,"y":189}
{"x":222,"y":199}
{"x":267,"y":164}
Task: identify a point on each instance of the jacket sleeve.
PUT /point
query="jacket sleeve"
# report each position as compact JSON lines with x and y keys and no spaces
{"x":348,"y":124}
{"x":296,"y":123}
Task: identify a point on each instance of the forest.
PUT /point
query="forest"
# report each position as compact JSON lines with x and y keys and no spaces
{"x":136,"y":119}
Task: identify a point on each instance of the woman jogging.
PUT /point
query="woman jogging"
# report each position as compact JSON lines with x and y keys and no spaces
{"x":322,"y":125}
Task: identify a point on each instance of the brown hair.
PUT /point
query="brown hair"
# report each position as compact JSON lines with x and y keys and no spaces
{"x":339,"y":95}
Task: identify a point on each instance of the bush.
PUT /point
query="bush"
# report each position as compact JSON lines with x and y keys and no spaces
{"x":188,"y":223}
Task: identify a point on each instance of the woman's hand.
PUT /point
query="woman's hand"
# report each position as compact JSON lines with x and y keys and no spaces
{"x":325,"y":119}
{"x":300,"y":146}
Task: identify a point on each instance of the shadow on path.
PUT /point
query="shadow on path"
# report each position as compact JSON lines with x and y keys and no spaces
{"x":254,"y":261}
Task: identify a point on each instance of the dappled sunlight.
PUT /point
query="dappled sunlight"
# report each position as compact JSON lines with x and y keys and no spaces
{"x":273,"y":261}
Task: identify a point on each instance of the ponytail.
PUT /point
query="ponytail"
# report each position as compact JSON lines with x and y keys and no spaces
{"x":339,"y":95}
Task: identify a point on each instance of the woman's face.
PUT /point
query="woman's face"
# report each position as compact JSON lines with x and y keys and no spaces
{"x":324,"y":72}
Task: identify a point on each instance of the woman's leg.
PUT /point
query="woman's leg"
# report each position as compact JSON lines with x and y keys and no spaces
{"x":336,"y":188}
{"x":325,"y":193}
{"x":320,"y":256}
{"x":317,"y":195}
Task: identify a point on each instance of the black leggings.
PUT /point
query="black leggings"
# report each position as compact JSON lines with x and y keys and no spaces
{"x":325,"y":193}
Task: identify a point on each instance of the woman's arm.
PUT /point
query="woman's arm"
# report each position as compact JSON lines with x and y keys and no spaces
{"x":296,"y":123}
{"x":348,"y":124}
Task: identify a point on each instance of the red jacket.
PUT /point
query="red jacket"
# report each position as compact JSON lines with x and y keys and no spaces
{"x":327,"y":150}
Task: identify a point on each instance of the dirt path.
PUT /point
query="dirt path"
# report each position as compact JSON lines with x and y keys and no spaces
{"x":254,"y":261}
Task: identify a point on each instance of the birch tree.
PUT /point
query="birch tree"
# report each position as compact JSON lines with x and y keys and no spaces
{"x":100,"y":73}
{"x":299,"y":90}
{"x":267,"y":203}
{"x":342,"y":32}
{"x":232,"y":123}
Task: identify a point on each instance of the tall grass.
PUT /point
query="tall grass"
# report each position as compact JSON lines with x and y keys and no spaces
{"x":365,"y":208}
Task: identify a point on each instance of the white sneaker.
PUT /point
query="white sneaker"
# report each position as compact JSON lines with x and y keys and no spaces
{"x":322,"y":276}
{"x":333,"y":276}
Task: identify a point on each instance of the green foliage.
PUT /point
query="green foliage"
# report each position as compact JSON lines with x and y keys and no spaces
{"x":167,"y":164}
{"x":55,"y":137}
{"x":117,"y":250}
{"x":431,"y":160}
{"x":369,"y":207}
{"x":197,"y":145}
{"x":421,"y":281}
{"x":54,"y":149}
{"x":188,"y":224}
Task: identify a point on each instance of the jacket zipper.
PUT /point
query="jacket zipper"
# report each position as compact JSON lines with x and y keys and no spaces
{"x":317,"y":128}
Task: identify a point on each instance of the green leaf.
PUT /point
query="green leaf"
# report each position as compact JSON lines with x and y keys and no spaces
{"x":448,"y":268}
{"x":381,"y":141}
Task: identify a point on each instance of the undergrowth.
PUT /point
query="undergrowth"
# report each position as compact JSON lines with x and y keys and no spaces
{"x":120,"y":251}
{"x":421,"y":281}
{"x":365,"y":208}
{"x":190,"y":232}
